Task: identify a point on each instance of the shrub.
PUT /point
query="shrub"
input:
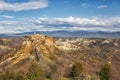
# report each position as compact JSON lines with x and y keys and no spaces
{"x":76,"y":70}
{"x":10,"y":76}
{"x":34,"y":72}
{"x":104,"y":73}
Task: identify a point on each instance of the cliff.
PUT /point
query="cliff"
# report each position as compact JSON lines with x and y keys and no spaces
{"x":37,"y":46}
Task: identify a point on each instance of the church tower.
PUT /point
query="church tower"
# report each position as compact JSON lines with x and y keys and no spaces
{"x":35,"y":33}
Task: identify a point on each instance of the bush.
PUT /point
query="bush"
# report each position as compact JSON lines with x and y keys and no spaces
{"x":76,"y":70}
{"x":104,"y":73}
{"x":34,"y":72}
{"x":10,"y":76}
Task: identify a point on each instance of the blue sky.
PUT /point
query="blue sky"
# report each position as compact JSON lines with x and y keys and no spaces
{"x":18,"y":16}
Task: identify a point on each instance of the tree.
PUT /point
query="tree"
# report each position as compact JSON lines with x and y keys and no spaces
{"x":76,"y":70}
{"x":34,"y":72}
{"x":10,"y":76}
{"x":104,"y":72}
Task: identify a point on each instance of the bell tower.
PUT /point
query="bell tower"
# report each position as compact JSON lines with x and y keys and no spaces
{"x":35,"y":33}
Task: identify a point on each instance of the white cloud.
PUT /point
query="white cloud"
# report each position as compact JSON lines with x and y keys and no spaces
{"x":102,"y":6}
{"x":66,"y":1}
{"x":7,"y":16}
{"x":70,"y":24}
{"x":85,"y":5}
{"x":32,"y":4}
{"x":8,"y":23}
{"x":68,"y":21}
{"x":1,"y":28}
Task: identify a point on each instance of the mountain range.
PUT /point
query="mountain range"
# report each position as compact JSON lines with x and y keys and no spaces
{"x":63,"y":33}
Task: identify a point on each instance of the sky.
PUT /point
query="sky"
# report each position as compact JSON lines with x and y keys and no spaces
{"x":18,"y":16}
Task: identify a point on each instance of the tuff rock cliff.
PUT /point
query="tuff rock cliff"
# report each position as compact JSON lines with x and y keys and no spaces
{"x":36,"y":46}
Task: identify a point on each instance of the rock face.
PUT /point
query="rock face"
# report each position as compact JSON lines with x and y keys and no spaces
{"x":42,"y":42}
{"x":38,"y":44}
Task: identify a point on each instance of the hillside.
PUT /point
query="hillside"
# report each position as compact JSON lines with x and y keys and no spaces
{"x":39,"y":57}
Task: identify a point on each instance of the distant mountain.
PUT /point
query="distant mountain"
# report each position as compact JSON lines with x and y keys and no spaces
{"x":64,"y":33}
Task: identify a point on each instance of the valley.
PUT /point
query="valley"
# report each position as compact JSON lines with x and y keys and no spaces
{"x":40,"y":57}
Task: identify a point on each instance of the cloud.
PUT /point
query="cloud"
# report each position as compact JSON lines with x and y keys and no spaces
{"x":32,"y":4}
{"x":7,"y":16}
{"x":102,"y":6}
{"x":1,"y":28}
{"x":21,"y":29}
{"x":69,"y":21}
{"x":111,"y":24}
{"x":73,"y":24}
{"x":8,"y":23}
{"x":66,"y":1}
{"x":85,"y":5}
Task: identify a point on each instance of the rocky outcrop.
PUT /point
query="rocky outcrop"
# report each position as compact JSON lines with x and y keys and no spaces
{"x":37,"y":44}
